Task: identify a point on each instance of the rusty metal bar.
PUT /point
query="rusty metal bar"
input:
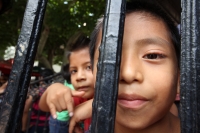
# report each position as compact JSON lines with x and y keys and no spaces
{"x":190,"y":67}
{"x":12,"y":106}
{"x":104,"y":105}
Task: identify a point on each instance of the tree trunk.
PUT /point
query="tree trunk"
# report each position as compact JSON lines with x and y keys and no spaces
{"x":50,"y":56}
{"x":42,"y":59}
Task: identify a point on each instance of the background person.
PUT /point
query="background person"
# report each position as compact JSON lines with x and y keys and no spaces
{"x":38,"y":118}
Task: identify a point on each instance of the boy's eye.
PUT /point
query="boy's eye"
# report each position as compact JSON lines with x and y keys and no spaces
{"x":154,"y":56}
{"x":73,"y":71}
{"x":88,"y":67}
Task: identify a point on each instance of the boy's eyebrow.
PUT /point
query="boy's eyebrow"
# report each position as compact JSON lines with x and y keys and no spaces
{"x":156,"y":41}
{"x":72,"y":67}
{"x":88,"y":62}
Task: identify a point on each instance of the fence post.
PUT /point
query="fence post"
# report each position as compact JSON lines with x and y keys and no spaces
{"x":12,"y":106}
{"x":190,"y":66}
{"x":106,"y":90}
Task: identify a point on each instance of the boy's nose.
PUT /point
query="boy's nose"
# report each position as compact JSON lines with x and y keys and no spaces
{"x":80,"y":75}
{"x":131,"y":71}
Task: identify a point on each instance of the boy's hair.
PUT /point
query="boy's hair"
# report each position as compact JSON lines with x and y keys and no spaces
{"x":81,"y":42}
{"x":93,"y":38}
{"x":66,"y":73}
{"x":147,"y":9}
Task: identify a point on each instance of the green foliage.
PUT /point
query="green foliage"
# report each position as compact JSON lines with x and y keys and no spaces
{"x":10,"y":24}
{"x":63,"y":18}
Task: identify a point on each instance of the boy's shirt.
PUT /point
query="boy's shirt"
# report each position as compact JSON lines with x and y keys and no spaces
{"x":63,"y":116}
{"x":68,"y":85}
{"x":77,"y":101}
{"x":87,"y":123}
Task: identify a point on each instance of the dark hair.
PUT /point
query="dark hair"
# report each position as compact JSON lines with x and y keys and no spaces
{"x":46,"y":73}
{"x":93,"y":38}
{"x":81,"y":42}
{"x":66,"y":73}
{"x":150,"y":10}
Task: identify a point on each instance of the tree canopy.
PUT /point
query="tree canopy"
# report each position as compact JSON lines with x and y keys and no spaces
{"x":63,"y":19}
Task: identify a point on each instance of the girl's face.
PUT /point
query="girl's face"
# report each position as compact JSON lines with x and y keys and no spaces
{"x":148,"y":74}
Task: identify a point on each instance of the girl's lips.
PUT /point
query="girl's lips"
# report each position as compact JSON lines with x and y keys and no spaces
{"x":131,"y":101}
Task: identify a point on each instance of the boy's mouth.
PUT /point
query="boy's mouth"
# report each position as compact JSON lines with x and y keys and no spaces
{"x":82,"y":88}
{"x":131,"y":101}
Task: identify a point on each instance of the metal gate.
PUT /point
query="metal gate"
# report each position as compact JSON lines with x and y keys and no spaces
{"x":15,"y":95}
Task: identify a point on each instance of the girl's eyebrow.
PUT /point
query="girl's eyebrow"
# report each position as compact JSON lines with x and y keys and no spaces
{"x":154,"y":41}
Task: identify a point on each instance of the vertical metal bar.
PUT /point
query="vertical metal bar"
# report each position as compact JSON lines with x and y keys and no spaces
{"x":14,"y":99}
{"x":190,"y":66}
{"x":104,"y":106}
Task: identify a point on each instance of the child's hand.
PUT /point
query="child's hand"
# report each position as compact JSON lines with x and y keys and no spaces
{"x":81,"y":112}
{"x":58,"y":97}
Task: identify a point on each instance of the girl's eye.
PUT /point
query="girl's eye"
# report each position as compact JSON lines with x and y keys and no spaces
{"x":154,"y":56}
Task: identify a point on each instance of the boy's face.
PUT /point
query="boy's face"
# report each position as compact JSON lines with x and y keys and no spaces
{"x":81,"y":72}
{"x":148,"y":73}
